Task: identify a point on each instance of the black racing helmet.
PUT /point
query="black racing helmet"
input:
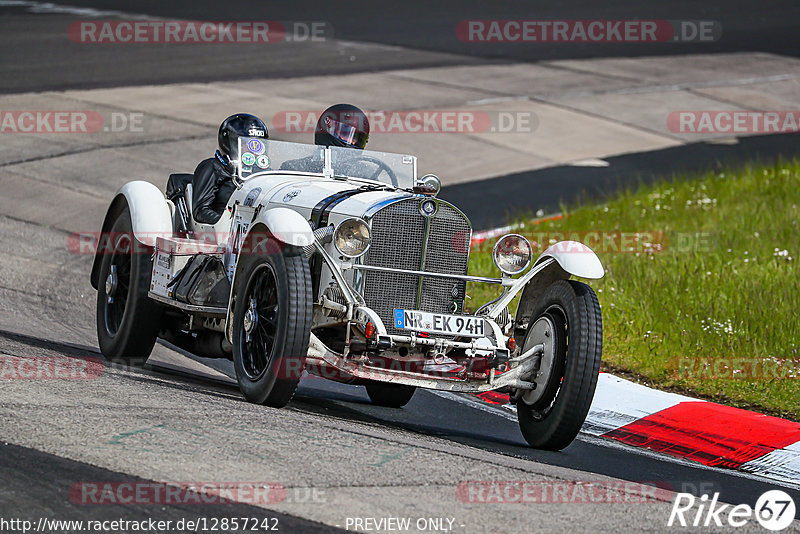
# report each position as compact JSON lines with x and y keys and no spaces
{"x":236,"y":126}
{"x":342,"y":125}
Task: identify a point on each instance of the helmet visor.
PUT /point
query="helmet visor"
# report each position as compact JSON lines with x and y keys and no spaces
{"x":346,"y":133}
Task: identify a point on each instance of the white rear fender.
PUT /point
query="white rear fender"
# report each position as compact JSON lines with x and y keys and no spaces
{"x":287,"y":226}
{"x":575,"y":258}
{"x":151,"y":216}
{"x":150,"y":213}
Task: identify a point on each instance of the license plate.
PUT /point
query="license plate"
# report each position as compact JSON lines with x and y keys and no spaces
{"x":439,"y":323}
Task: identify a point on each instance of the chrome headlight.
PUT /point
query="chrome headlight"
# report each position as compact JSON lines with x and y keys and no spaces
{"x":512,"y":253}
{"x":352,"y":237}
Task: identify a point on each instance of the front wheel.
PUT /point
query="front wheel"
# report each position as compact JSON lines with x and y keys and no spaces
{"x":271,"y":322}
{"x":567,"y":322}
{"x":127,"y":319}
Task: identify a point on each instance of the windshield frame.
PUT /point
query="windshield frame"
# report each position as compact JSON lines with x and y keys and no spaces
{"x":405,"y":181}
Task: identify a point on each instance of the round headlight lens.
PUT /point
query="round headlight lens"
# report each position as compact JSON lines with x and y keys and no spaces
{"x":512,"y":253}
{"x":352,"y":237}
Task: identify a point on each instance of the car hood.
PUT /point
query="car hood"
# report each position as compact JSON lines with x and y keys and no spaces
{"x":306,"y":194}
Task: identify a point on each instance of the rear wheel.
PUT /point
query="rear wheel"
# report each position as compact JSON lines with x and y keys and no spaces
{"x":127,"y":319}
{"x":390,"y":395}
{"x":567,"y":322}
{"x":271,"y":323}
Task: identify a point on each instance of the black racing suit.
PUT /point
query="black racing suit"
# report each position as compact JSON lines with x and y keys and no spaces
{"x":211,"y":188}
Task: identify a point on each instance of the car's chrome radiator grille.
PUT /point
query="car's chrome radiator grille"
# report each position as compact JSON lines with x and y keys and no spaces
{"x":398,"y":234}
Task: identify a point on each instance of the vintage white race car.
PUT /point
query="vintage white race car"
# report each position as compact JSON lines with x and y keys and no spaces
{"x":343,"y":263}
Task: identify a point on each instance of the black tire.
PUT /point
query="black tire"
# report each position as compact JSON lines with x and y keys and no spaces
{"x":553,"y":421}
{"x":127,"y":321}
{"x":390,"y":395}
{"x":269,"y":359}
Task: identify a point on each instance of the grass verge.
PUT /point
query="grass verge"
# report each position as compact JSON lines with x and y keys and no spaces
{"x":702,"y":286}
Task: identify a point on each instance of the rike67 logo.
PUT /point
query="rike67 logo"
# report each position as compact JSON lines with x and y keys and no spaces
{"x":774,"y":510}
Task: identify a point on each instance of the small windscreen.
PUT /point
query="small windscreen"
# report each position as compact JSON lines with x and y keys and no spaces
{"x":262,"y":155}
{"x":398,"y":170}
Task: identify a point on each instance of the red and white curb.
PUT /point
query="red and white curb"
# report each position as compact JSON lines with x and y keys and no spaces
{"x":701,"y":431}
{"x":483,"y":235}
{"x":711,"y":434}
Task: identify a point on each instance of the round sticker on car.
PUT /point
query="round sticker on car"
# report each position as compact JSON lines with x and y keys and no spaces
{"x":256,"y":146}
{"x":248,"y":158}
{"x":262,"y":161}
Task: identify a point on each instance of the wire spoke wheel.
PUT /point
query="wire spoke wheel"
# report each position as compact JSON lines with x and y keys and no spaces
{"x":260,"y":322}
{"x":271,"y":320}
{"x":118,"y":283}
{"x":128,"y":321}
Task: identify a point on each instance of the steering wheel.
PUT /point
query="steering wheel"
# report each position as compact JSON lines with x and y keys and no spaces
{"x":382,"y":167}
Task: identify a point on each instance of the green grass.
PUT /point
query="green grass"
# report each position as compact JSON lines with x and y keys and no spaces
{"x":716,"y":311}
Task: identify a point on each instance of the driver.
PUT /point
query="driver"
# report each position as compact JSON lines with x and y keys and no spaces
{"x":342,"y":125}
{"x":213,"y":185}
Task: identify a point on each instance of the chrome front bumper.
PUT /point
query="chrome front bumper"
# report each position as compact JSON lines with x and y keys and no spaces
{"x":523,"y":365}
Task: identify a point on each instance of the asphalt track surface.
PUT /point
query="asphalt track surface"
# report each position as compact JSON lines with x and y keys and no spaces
{"x":39,"y":483}
{"x":149,"y":424}
{"x":40,"y":479}
{"x":367,"y":36}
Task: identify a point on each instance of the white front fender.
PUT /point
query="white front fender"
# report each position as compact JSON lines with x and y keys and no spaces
{"x":558,"y":262}
{"x":575,"y":258}
{"x":287,"y":226}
